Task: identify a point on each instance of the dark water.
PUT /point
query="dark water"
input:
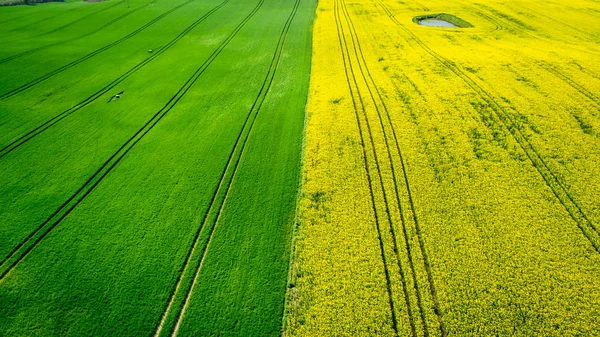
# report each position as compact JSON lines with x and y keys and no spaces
{"x":436,"y":23}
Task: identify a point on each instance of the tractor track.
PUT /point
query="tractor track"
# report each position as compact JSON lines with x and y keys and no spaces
{"x":56,"y":119}
{"x":17,"y":18}
{"x":490,"y":19}
{"x":397,"y":192}
{"x":352,"y":82}
{"x":560,"y":22}
{"x":223,"y":188}
{"x":552,"y":70}
{"x":27,"y":52}
{"x":363,"y":68}
{"x":19,"y":253}
{"x":90,"y":55}
{"x":349,"y":74}
{"x":588,"y":228}
{"x":368,"y":77}
{"x":82,"y":18}
{"x":41,"y":20}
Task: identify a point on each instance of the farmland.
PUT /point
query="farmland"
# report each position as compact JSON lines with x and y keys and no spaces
{"x":450,"y":180}
{"x":300,"y":168}
{"x":150,"y":162}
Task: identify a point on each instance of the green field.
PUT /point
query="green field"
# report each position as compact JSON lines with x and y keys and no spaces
{"x":168,"y":210}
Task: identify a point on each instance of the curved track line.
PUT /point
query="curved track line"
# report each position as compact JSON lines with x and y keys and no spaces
{"x":588,"y":228}
{"x":27,"y":52}
{"x":68,"y":206}
{"x":56,"y":119}
{"x":489,"y":18}
{"x":90,"y":55}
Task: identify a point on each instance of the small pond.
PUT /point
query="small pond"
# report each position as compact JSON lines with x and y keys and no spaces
{"x":436,"y":23}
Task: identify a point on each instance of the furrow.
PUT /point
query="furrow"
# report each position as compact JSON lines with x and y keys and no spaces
{"x":82,"y":18}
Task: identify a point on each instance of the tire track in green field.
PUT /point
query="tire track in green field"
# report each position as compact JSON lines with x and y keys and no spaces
{"x":56,"y":119}
{"x":488,"y":18}
{"x":558,"y":188}
{"x":42,"y":20}
{"x":381,"y":109}
{"x":17,"y":18}
{"x":82,"y":18}
{"x":25,"y":247}
{"x":194,"y":261}
{"x":27,"y":52}
{"x":90,"y":55}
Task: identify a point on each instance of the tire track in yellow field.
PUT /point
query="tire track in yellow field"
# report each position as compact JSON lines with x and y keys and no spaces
{"x":360,"y":56}
{"x":576,"y":212}
{"x":545,"y":65}
{"x":384,"y":107}
{"x":381,"y":109}
{"x":350,"y":78}
{"x":427,"y":265}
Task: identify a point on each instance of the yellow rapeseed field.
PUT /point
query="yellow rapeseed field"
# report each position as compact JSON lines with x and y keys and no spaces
{"x":451,"y":182}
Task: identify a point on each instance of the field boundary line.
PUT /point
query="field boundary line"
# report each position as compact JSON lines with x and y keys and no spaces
{"x":90,"y":99}
{"x":68,"y":206}
{"x":251,"y":117}
{"x":30,"y":51}
{"x":299,"y":194}
{"x":589,"y":230}
{"x":41,"y":79}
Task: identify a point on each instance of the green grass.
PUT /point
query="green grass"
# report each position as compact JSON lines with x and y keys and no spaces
{"x":110,"y":266}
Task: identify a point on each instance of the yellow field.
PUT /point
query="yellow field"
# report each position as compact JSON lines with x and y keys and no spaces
{"x":451,"y":180}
